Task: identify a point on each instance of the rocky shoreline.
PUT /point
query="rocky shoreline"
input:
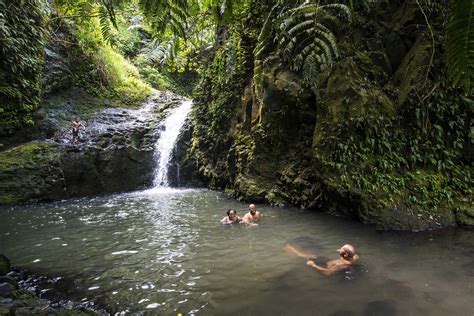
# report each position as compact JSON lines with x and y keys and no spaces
{"x":24,"y":293}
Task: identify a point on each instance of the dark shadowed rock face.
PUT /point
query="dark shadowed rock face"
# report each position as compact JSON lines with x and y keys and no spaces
{"x":182,"y":170}
{"x":115,"y":155}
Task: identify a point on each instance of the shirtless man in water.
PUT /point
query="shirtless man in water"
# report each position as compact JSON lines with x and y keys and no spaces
{"x":252,"y":216}
{"x":347,"y":253}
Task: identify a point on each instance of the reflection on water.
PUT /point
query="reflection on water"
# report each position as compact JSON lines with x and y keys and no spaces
{"x":162,"y":251}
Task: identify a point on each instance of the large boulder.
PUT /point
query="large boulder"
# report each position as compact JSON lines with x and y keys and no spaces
{"x":30,"y":171}
{"x":6,"y":290}
{"x":115,"y":155}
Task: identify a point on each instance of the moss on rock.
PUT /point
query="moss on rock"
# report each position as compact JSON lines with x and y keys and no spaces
{"x":29,"y":171}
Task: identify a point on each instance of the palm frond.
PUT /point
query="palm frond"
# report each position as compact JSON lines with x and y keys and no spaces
{"x":104,"y":23}
{"x":460,"y":43}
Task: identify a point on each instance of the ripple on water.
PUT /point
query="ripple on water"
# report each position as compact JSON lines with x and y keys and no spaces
{"x":121,"y":252}
{"x":162,"y":251}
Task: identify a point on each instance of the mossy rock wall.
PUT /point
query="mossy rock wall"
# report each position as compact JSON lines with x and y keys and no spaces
{"x":30,"y":171}
{"x":40,"y":171}
{"x":384,"y":139}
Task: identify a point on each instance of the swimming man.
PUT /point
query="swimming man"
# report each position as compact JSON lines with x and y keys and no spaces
{"x":347,"y":253}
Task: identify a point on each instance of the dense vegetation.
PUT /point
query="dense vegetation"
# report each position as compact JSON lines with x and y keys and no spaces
{"x":367,"y":125}
{"x":22,"y":33}
{"x":361,"y":108}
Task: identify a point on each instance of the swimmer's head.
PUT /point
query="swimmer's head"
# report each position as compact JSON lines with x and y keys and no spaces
{"x":347,"y":251}
{"x":231,"y":212}
{"x":252,"y":208}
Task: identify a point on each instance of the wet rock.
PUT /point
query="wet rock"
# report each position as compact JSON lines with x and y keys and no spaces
{"x":6,"y":290}
{"x":183,"y":171}
{"x":5,"y":265}
{"x":30,"y":171}
{"x":10,"y":280}
{"x":115,"y":155}
{"x":465,"y":216}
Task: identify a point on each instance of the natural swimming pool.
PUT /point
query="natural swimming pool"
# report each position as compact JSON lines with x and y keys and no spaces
{"x":162,"y":251}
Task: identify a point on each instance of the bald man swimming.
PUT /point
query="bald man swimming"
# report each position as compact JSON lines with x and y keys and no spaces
{"x":252,"y":216}
{"x":347,"y":253}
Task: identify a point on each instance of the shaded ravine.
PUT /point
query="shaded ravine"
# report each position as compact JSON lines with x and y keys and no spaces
{"x":161,"y":251}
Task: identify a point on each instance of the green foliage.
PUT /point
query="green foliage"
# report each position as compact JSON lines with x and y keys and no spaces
{"x":97,"y":67}
{"x":22,"y":36}
{"x":460,"y":44}
{"x":216,"y":98}
{"x":416,"y":157}
{"x":306,"y":40}
{"x":167,"y":13}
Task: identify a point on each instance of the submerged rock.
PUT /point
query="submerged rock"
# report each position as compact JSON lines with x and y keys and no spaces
{"x":6,"y":290}
{"x":23,"y":293}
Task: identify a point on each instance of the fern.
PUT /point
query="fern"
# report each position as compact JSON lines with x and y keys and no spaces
{"x":460,"y":44}
{"x":104,"y":23}
{"x":304,"y":39}
{"x":168,"y":13}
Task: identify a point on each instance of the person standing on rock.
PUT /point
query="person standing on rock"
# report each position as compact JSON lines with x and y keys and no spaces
{"x":76,"y":125}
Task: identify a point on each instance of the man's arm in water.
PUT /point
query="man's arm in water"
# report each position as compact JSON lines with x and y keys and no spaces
{"x":324,"y":271}
{"x":327,"y":271}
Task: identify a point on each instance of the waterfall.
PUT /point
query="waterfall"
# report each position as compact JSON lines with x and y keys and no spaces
{"x":168,"y":136}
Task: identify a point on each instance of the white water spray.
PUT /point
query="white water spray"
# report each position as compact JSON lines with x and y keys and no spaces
{"x":164,"y":146}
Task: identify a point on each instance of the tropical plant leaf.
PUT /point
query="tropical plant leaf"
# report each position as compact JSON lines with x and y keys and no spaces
{"x":104,"y":23}
{"x":304,"y":37}
{"x":460,"y":43}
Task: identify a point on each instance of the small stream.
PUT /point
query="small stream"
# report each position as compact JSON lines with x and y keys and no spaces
{"x":162,"y":251}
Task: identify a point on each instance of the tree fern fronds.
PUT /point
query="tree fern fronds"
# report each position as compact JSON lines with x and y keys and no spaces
{"x":108,"y":7}
{"x":341,"y":10}
{"x":104,"y":23}
{"x":460,"y":43}
{"x":302,"y":26}
{"x":178,"y":10}
{"x":304,"y":38}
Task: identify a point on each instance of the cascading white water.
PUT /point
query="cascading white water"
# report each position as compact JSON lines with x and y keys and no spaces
{"x":166,"y":142}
